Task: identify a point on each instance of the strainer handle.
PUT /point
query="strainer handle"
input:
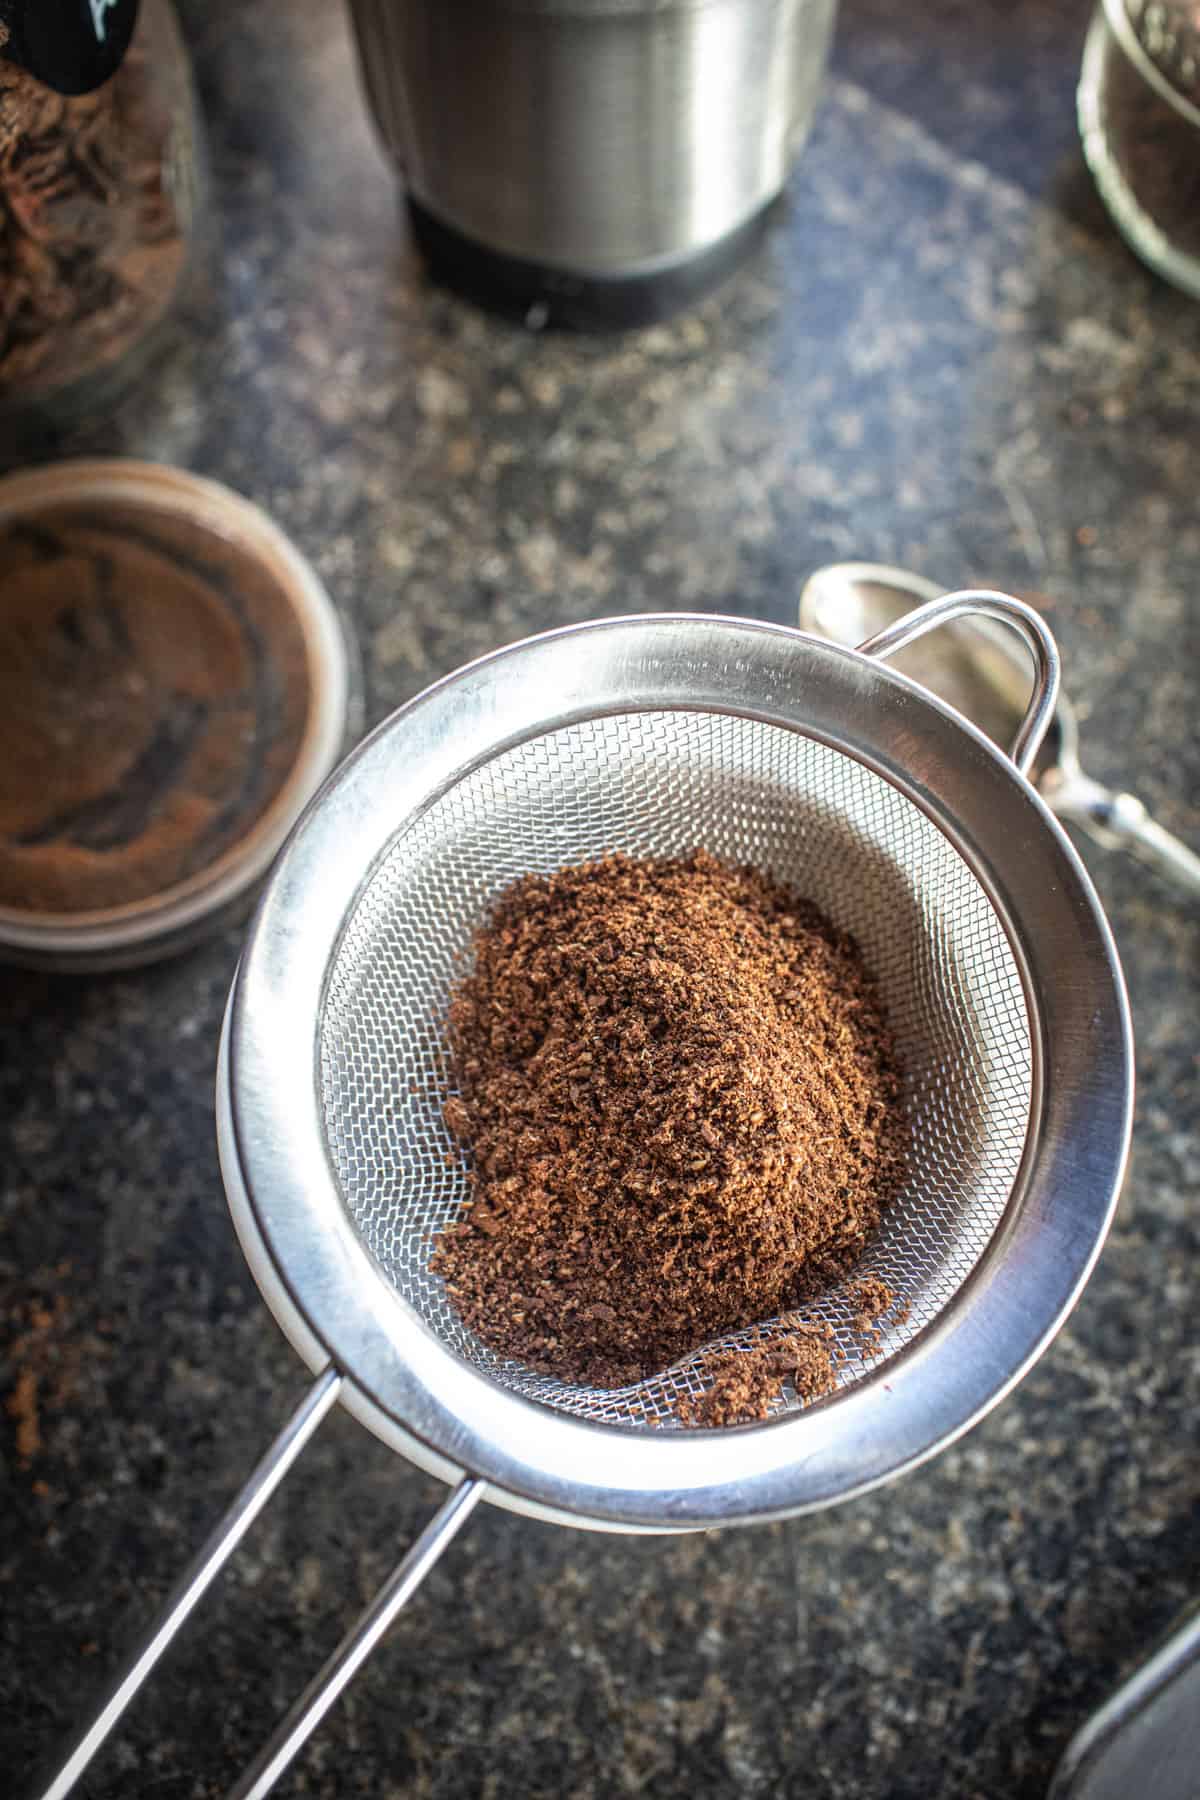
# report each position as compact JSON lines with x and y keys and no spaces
{"x":336,"y":1672}
{"x":340,"y":1668}
{"x":1121,"y":822}
{"x":209,"y":1560}
{"x":984,"y":603}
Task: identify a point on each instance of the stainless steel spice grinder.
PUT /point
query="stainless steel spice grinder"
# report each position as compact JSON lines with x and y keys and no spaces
{"x":603,"y":160}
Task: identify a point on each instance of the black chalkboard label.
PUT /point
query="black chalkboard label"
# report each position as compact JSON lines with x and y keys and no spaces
{"x":71,"y":45}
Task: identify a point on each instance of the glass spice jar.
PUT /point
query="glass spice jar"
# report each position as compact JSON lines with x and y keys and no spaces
{"x":99,"y":206}
{"x":1139,"y":118}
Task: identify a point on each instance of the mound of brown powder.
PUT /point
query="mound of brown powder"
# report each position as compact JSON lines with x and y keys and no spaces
{"x":681,"y":1104}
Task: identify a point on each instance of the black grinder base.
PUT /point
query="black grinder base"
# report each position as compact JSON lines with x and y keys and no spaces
{"x":542,"y":296}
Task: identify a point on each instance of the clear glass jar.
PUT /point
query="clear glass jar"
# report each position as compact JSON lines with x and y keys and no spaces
{"x":98,"y":212}
{"x":1139,"y":118}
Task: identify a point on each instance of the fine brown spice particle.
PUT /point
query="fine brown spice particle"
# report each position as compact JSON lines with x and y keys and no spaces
{"x":44,"y":1369}
{"x":22,"y":1409}
{"x":872,"y":1297}
{"x":682,"y":1108}
{"x":743,"y":1384}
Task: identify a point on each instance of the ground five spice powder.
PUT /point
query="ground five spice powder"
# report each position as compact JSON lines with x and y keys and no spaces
{"x":681,"y":1106}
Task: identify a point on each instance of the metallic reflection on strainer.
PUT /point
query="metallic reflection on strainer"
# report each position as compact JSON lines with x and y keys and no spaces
{"x":653,"y":736}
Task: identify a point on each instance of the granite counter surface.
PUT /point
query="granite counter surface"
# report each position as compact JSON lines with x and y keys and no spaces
{"x":941,"y":356}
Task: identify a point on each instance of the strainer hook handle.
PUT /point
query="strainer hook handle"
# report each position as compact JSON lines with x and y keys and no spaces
{"x":988,"y":604}
{"x":210,"y":1559}
{"x":343,"y":1663}
{"x":191,"y":1586}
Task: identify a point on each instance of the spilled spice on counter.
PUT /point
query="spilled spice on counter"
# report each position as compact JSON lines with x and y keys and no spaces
{"x":37,"y":1347}
{"x":682,"y":1107}
{"x":22,"y":1408}
{"x":53,"y":1351}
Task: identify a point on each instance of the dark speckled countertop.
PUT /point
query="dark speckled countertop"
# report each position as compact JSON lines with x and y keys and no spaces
{"x":942,"y":357}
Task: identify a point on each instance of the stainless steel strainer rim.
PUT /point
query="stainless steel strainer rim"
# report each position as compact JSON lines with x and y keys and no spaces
{"x":575,"y":1468}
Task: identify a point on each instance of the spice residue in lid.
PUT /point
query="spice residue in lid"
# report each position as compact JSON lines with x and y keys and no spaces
{"x":682,"y":1107}
{"x":154,"y":694}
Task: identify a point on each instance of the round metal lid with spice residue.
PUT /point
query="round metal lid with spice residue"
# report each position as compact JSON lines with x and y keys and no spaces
{"x":174,"y":685}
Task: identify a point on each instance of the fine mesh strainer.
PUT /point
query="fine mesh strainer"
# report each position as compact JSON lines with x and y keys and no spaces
{"x":654,"y":735}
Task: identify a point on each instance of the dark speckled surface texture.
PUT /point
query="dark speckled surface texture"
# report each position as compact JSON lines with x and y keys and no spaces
{"x":943,"y":357}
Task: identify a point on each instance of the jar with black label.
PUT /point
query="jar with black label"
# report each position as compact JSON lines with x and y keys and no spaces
{"x":98,"y":200}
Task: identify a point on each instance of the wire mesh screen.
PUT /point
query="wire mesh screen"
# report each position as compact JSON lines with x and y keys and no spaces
{"x":663,"y":784}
